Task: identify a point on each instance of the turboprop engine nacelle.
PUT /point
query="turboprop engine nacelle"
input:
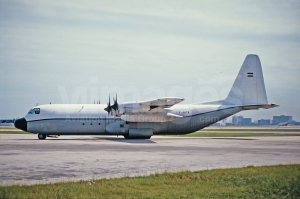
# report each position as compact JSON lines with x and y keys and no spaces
{"x":117,"y":128}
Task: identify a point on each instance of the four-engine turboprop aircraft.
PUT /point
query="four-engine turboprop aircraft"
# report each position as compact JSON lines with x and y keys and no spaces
{"x":143,"y":119}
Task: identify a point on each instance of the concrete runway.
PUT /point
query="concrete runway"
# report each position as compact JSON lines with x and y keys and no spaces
{"x":26,"y":160}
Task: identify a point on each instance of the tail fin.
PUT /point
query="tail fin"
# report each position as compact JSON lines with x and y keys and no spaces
{"x":249,"y":86}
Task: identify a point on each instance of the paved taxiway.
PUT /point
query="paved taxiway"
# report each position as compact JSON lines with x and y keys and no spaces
{"x":26,"y":160}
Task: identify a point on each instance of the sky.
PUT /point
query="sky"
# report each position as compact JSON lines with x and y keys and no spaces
{"x":84,"y":51}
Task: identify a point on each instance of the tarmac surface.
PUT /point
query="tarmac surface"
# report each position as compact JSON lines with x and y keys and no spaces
{"x":26,"y":160}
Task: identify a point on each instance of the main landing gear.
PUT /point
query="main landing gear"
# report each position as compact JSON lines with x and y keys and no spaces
{"x":136,"y":137}
{"x":41,"y":136}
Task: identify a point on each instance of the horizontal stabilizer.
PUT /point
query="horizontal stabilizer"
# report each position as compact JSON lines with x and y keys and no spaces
{"x":254,"y":107}
{"x":173,"y":115}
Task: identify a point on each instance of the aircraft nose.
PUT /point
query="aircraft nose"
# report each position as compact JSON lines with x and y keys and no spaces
{"x":21,"y":124}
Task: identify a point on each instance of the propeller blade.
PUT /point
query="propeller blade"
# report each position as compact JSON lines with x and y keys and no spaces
{"x":108,"y":108}
{"x":115,"y":106}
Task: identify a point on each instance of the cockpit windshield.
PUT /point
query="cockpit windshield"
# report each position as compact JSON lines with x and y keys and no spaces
{"x":34,"y":111}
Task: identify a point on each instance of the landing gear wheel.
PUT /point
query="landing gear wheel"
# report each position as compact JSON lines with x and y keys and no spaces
{"x":137,"y":137}
{"x":41,"y":136}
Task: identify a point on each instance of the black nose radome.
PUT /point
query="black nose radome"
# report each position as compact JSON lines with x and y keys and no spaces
{"x":21,"y":124}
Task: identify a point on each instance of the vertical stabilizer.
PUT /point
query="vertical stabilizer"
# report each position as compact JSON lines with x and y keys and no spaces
{"x":249,"y":86}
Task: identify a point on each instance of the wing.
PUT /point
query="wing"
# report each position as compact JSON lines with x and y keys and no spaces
{"x":151,"y":106}
{"x":162,"y":102}
{"x":152,"y":110}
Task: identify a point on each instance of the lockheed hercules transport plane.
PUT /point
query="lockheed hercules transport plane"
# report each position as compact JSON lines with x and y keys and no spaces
{"x":143,"y":119}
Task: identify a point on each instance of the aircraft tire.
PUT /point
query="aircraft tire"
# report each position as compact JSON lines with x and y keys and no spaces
{"x":142,"y":137}
{"x":41,"y":136}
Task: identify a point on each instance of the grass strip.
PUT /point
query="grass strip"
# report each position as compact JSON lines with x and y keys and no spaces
{"x":13,"y":132}
{"x":281,"y":181}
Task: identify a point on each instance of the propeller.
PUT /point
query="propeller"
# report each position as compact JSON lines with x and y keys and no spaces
{"x":108,"y":108}
{"x":115,"y":106}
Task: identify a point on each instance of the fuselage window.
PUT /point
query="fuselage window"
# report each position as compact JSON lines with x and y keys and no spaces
{"x":99,"y":123}
{"x":121,"y":125}
{"x":82,"y":123}
{"x":30,"y":111}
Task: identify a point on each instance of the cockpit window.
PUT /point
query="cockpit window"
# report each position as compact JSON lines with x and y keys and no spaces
{"x":34,"y":111}
{"x":37,"y":111}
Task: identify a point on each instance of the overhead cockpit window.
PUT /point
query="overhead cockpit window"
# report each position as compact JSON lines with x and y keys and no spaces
{"x":37,"y":111}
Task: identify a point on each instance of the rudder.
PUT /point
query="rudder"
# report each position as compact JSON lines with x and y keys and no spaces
{"x":248,"y":87}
